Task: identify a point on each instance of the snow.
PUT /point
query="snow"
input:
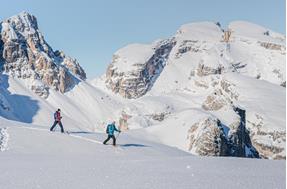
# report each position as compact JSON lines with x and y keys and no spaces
{"x":254,"y":31}
{"x":266,"y":99}
{"x":203,"y":31}
{"x":257,"y":61}
{"x":24,"y":19}
{"x":39,"y":159}
{"x":174,"y":130}
{"x":133,"y":54}
{"x":12,"y":34}
{"x":83,"y":107}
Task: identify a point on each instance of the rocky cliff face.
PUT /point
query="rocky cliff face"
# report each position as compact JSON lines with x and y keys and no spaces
{"x":269,"y":143}
{"x":26,"y":55}
{"x":138,"y":74}
{"x":209,"y":137}
{"x":240,"y":144}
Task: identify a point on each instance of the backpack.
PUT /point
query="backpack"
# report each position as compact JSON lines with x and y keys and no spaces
{"x":107,"y":129}
{"x":57,"y":116}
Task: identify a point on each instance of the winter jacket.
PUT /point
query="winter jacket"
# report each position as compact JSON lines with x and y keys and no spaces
{"x":111,"y":128}
{"x":57,"y":116}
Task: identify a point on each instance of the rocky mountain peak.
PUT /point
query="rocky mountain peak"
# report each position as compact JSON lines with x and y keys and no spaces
{"x":24,"y":23}
{"x":26,"y":55}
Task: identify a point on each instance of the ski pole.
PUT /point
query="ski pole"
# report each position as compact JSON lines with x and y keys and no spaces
{"x":118,"y":135}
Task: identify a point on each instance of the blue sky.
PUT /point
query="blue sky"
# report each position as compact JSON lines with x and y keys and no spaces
{"x":92,"y":30}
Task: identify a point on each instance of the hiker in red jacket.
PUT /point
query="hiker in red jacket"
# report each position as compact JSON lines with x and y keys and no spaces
{"x":57,"y":117}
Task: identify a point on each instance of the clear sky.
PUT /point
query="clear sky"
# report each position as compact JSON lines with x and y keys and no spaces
{"x":92,"y":30}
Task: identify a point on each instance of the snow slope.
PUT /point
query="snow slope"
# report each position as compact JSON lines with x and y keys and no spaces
{"x":266,"y":100}
{"x":126,"y":61}
{"x":83,"y":107}
{"x":37,"y":158}
{"x":251,"y":30}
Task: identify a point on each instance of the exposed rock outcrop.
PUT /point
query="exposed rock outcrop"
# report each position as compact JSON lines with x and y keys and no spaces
{"x":272,"y":46}
{"x":191,"y":46}
{"x":207,"y":138}
{"x":224,"y":94}
{"x":132,"y":78}
{"x":240,"y":144}
{"x":26,"y":55}
{"x":203,"y":70}
{"x":215,"y":101}
{"x":269,"y":143}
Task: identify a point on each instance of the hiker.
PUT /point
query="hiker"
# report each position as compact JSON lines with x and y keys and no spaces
{"x":111,"y":128}
{"x":57,"y":117}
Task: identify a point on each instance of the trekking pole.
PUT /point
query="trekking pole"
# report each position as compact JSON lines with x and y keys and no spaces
{"x":118,"y":135}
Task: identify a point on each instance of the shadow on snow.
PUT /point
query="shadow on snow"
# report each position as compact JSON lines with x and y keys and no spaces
{"x":14,"y":106}
{"x":133,"y":145}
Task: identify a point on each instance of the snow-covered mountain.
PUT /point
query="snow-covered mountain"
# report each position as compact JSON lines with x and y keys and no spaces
{"x":207,"y":90}
{"x":207,"y":73}
{"x":25,"y":54}
{"x":199,"y":49}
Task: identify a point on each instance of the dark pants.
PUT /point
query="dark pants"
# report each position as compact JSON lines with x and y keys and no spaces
{"x":109,"y":137}
{"x":54,"y":125}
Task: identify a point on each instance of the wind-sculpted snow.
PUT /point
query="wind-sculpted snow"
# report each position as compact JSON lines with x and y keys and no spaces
{"x":4,"y":137}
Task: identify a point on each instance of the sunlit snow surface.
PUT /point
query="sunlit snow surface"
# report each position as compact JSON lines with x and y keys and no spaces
{"x":39,"y":159}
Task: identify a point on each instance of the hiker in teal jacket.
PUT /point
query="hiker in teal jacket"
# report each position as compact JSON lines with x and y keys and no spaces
{"x":111,"y":128}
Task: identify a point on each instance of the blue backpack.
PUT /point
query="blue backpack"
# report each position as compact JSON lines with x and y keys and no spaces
{"x":110,"y":129}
